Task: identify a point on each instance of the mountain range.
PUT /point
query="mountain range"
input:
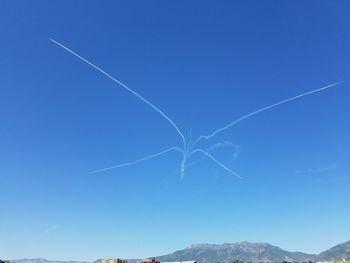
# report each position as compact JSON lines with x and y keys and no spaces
{"x":256,"y":252}
{"x":227,"y":252}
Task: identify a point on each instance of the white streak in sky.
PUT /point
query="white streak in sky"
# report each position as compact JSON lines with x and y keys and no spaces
{"x":216,"y":161}
{"x":261,"y":110}
{"x":186,"y":149}
{"x":226,"y":144}
{"x":125,"y":87}
{"x":190,"y":139}
{"x":318,"y":170}
{"x":50,"y":228}
{"x":138,"y":161}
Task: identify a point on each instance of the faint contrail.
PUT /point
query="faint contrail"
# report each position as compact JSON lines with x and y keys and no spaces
{"x":190,"y":139}
{"x":124,"y":86}
{"x":216,"y":161}
{"x":226,"y":144}
{"x":261,"y":110}
{"x":175,"y":148}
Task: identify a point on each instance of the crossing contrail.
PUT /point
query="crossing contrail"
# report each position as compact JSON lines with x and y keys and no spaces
{"x":124,"y":86}
{"x":261,"y":110}
{"x":187,"y":149}
{"x":226,"y":144}
{"x":216,"y":161}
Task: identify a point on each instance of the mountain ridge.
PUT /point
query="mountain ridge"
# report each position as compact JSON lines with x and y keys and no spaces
{"x":339,"y":251}
{"x":227,"y":252}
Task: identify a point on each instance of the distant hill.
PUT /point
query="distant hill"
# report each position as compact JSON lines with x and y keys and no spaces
{"x":43,"y":260}
{"x":340,"y":251}
{"x":256,"y":252}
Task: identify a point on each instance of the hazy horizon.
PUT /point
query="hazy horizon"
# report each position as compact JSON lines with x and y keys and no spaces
{"x":149,"y":256}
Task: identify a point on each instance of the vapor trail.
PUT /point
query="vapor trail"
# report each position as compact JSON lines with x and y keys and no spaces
{"x":125,"y":87}
{"x":186,"y":149}
{"x":190,"y":139}
{"x":216,"y":161}
{"x":226,"y":144}
{"x":261,"y":110}
{"x":175,"y":148}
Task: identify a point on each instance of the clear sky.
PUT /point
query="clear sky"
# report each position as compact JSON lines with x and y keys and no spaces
{"x":204,"y":63}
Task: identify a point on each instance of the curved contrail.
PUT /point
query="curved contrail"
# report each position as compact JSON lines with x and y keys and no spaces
{"x":125,"y":87}
{"x":261,"y":110}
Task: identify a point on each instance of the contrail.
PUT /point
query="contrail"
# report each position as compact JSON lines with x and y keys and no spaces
{"x":175,"y":148}
{"x":190,"y":139}
{"x":261,"y":110}
{"x":226,"y":144}
{"x":125,"y":87}
{"x":186,"y":149}
{"x":216,"y":161}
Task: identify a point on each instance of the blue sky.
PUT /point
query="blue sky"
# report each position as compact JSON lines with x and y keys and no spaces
{"x":204,"y":63}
